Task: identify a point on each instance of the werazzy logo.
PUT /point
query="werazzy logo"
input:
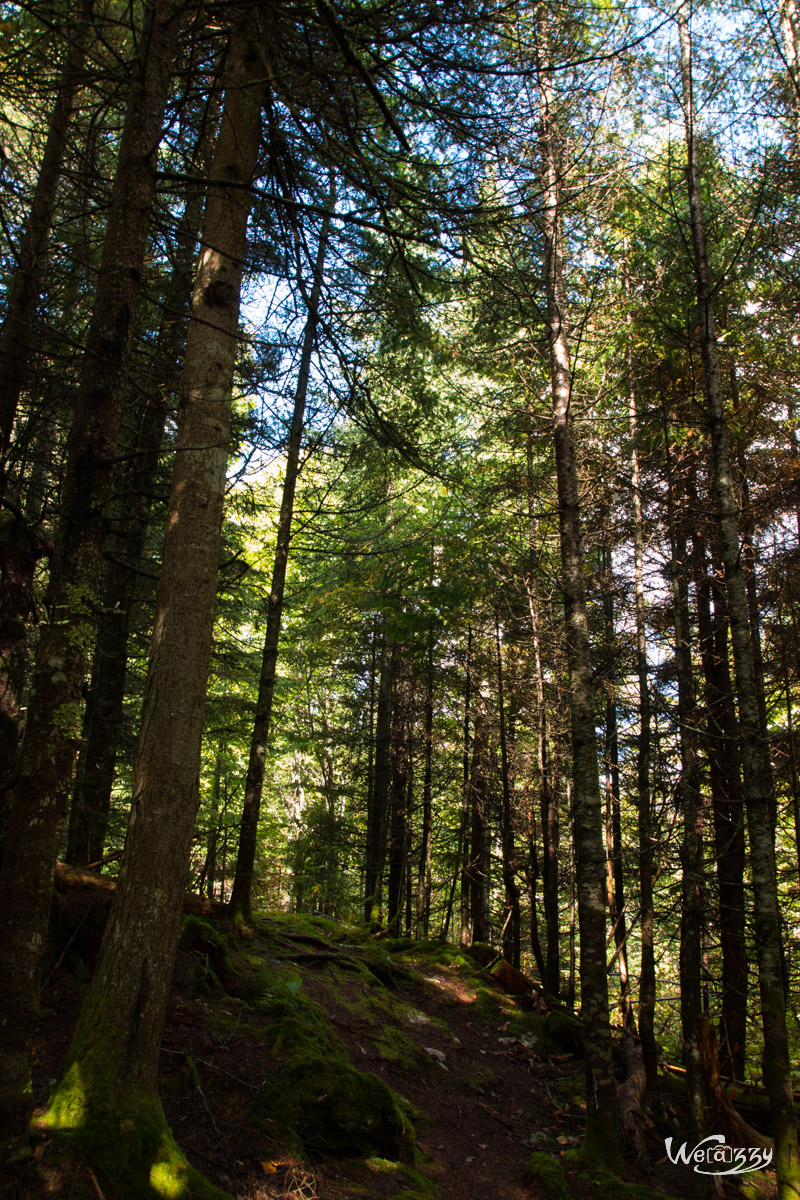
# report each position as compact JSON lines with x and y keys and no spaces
{"x":713,"y":1157}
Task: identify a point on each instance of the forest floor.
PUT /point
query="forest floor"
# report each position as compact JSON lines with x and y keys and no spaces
{"x":303,"y":1060}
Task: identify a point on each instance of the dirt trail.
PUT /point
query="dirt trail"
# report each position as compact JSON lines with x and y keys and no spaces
{"x":482,"y":1079}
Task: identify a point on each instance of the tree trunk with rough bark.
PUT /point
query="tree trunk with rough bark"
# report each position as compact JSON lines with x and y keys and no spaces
{"x":691,"y":807}
{"x":722,"y":752}
{"x":511,"y":912}
{"x":424,"y":871}
{"x":647,"y":978}
{"x":401,"y":768}
{"x":550,"y":966}
{"x":464,"y":935}
{"x":615,"y":870}
{"x":53,"y":723}
{"x":94,"y":777}
{"x":108,"y":1086}
{"x":376,"y":816}
{"x":757,"y":798}
{"x":479,"y":822}
{"x":590,"y":863}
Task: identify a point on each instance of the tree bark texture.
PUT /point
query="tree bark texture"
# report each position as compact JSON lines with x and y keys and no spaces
{"x":647,"y":978}
{"x":548,"y":795}
{"x":691,"y":807}
{"x":401,"y":770}
{"x":758,"y":802}
{"x":464,"y":826}
{"x":424,"y":871}
{"x":376,"y":816}
{"x":590,"y":864}
{"x":54,"y":711}
{"x":91,"y":800}
{"x":722,"y":752}
{"x":479,"y":784}
{"x":114,"y":1053}
{"x":616,"y":878}
{"x":511,"y":912}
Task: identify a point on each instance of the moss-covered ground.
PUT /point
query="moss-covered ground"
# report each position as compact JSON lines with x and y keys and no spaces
{"x":307,"y":1060}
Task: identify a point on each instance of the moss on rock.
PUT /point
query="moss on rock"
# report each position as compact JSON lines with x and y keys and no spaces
{"x":487,"y":1004}
{"x":323,"y":1105}
{"x":549,"y":1173}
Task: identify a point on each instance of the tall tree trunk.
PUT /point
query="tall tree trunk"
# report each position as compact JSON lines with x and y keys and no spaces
{"x":691,"y":808}
{"x":647,"y":978}
{"x":726,"y":797}
{"x":94,"y":777}
{"x":616,"y":878}
{"x":532,"y":878}
{"x":548,"y":795}
{"x":601,"y":1117}
{"x":376,"y":816}
{"x":54,"y":713}
{"x":208,"y":874}
{"x":424,"y":871}
{"x":401,"y":774}
{"x":464,"y":936}
{"x":408,"y":846}
{"x":108,"y":1085}
{"x":758,"y":802}
{"x":22,"y":545}
{"x":240,"y":904}
{"x":790,"y":725}
{"x":511,"y":913}
{"x":790,"y":47}
{"x":479,"y":823}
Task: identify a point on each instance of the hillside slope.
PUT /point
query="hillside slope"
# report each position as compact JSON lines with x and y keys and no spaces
{"x":309,"y":1060}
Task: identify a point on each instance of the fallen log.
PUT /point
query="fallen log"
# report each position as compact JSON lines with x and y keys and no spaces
{"x":104,"y":887}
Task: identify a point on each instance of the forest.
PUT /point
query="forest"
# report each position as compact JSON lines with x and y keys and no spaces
{"x":399,"y":538}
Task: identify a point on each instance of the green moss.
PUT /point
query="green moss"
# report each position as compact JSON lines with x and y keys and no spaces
{"x":67,"y":719}
{"x":385,"y":969}
{"x":548,"y":1172}
{"x":487,"y":1005}
{"x":758,"y":1185}
{"x":395,"y":945}
{"x":610,"y":1187}
{"x":305,"y":923}
{"x":292,"y":1020}
{"x":320,"y":1104}
{"x":416,"y":1186}
{"x":127,"y":1141}
{"x":396,"y":1047}
{"x":600,"y":1147}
